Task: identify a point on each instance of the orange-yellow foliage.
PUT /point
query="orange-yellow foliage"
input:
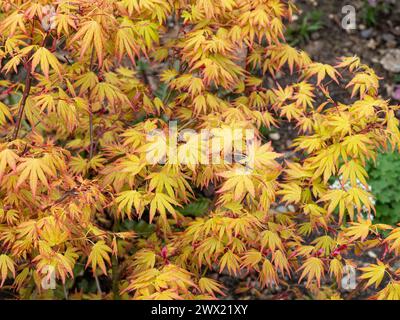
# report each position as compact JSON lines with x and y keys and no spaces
{"x":77,"y":104}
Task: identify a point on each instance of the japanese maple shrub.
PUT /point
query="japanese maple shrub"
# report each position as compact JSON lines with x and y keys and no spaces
{"x":83,"y":85}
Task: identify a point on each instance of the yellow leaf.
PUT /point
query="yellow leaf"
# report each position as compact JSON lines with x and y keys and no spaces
{"x":394,"y":240}
{"x":374,"y":273}
{"x":271,"y":240}
{"x":336,"y":269}
{"x":230,"y":261}
{"x":268,"y":274}
{"x":11,"y":22}
{"x":390,"y":292}
{"x":7,"y":157}
{"x":336,"y":198}
{"x":326,"y":243}
{"x":36,"y":169}
{"x":6,"y":265}
{"x":351,"y":63}
{"x":4,"y":113}
{"x":238,"y":182}
{"x":210,"y":286}
{"x":321,"y":70}
{"x":359,"y":230}
{"x":128,"y":199}
{"x":98,"y":255}
{"x":91,"y":35}
{"x":352,"y":170}
{"x":251,"y":259}
{"x":46,"y":60}
{"x":162,"y":203}
{"x":313,"y":268}
{"x":291,"y":192}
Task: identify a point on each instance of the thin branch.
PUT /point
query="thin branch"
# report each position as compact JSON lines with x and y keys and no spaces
{"x":65,"y":292}
{"x":65,"y":196}
{"x":91,"y":137}
{"x":115,"y":278}
{"x":115,"y":267}
{"x":28,"y":84}
{"x":357,"y":290}
{"x":25,"y":94}
{"x":98,"y":284}
{"x":91,"y":132}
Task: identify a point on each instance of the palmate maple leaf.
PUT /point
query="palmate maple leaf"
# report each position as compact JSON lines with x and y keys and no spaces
{"x":291,"y":192}
{"x":230,"y":261}
{"x":358,"y":145}
{"x":374,"y":273}
{"x":393,"y":240}
{"x":313,"y":268}
{"x":163,"y":204}
{"x":144,"y":260}
{"x":45,"y":59}
{"x":304,"y":95}
{"x":112,"y":93}
{"x":7,"y":157}
{"x":251,"y":259}
{"x":62,"y":263}
{"x":325,"y":163}
{"x":239,"y":182}
{"x":271,"y":240}
{"x":390,"y":292}
{"x":211,"y":286}
{"x":91,"y":35}
{"x":158,"y":8}
{"x":86,"y":81}
{"x":261,"y":156}
{"x":353,"y":171}
{"x":64,"y":23}
{"x":218,"y":68}
{"x":268,"y":274}
{"x":325,"y":244}
{"x":336,"y":269}
{"x":12,"y":22}
{"x":285,"y":54}
{"x":148,"y":32}
{"x":6,"y":265}
{"x":321,"y":70}
{"x":280,"y":262}
{"x":335,"y":198}
{"x":351,"y":63}
{"x":365,"y":83}
{"x":36,"y":169}
{"x":359,"y":230}
{"x":156,"y":149}
{"x":99,"y":254}
{"x":125,"y":40}
{"x":163,"y":180}
{"x":131,"y":198}
{"x":219,"y":56}
{"x":341,"y":123}
{"x":4,"y":113}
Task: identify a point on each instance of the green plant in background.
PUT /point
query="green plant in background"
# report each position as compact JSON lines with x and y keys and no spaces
{"x":196,"y":208}
{"x":371,"y":11}
{"x":396,"y":78}
{"x":300,"y":32}
{"x":384,"y":179}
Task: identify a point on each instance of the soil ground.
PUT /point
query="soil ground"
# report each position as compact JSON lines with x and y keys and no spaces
{"x":369,"y":41}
